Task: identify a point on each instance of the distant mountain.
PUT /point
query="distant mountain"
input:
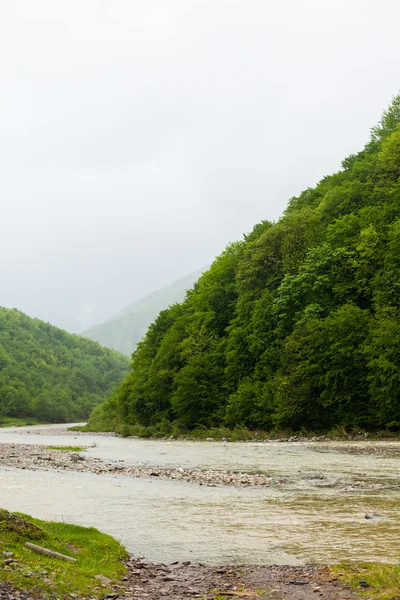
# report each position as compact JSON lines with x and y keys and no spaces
{"x":123,"y":331}
{"x":51,"y":375}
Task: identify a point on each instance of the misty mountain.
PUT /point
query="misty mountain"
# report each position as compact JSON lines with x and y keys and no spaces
{"x":123,"y":331}
{"x":51,"y":375}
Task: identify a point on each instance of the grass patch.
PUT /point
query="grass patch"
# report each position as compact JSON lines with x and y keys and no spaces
{"x":15,"y":422}
{"x":382,"y":580}
{"x":67,"y":448}
{"x":96,"y":554}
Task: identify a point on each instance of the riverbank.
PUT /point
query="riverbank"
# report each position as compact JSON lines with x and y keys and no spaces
{"x":238,"y":434}
{"x":101,"y":570}
{"x":97,"y":559}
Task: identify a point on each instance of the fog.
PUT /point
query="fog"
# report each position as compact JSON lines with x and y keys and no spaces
{"x":139,"y":138}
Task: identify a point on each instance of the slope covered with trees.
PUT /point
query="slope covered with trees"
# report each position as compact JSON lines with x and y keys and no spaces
{"x":123,"y":331}
{"x":298,"y":325}
{"x":51,"y":375}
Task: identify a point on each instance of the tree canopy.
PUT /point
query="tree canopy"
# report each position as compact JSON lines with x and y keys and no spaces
{"x":297,"y":325}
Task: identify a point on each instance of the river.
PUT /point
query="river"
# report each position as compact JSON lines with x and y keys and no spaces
{"x":316,"y":516}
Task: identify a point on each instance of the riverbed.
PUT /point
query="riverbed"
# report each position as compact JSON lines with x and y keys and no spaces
{"x":316,"y":515}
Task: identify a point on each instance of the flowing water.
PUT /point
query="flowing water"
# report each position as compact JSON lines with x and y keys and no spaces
{"x":317,"y":513}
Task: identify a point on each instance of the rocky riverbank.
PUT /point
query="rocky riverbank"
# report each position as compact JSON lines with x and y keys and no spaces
{"x":75,"y":431}
{"x":384,"y":449}
{"x":34,"y":457}
{"x":183,"y":581}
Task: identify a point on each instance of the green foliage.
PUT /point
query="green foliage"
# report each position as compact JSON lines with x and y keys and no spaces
{"x":48,"y":375}
{"x":389,"y":121}
{"x":382,"y":352}
{"x":320,"y":381}
{"x":295,"y":326}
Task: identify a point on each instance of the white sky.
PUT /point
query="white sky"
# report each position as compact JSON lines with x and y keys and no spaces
{"x":138,"y":138}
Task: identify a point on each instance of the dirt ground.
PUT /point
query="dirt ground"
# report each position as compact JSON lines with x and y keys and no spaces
{"x":183,"y":581}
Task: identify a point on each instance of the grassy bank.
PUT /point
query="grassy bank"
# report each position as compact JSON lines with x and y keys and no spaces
{"x":99,"y":565}
{"x":96,"y":554}
{"x":239,"y":433}
{"x":371,"y":580}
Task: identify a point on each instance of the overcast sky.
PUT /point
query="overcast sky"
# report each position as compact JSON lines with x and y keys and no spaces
{"x":139,"y":137}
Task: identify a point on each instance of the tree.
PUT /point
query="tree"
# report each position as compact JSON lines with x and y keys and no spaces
{"x":297,"y":324}
{"x":49,"y":374}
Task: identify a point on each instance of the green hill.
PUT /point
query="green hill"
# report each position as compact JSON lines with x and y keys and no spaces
{"x":297,"y":325}
{"x":49,"y":374}
{"x":123,"y":331}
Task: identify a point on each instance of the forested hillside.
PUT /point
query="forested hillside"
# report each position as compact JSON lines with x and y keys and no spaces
{"x":298,"y":325}
{"x":49,"y":374}
{"x":123,"y":331}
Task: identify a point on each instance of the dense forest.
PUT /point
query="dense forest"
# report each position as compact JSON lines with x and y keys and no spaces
{"x":123,"y":331}
{"x":296,"y":326}
{"x":51,"y":375}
